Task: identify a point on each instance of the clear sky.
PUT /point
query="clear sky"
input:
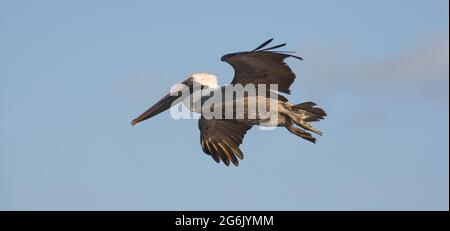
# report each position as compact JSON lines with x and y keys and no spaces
{"x":74,"y":73}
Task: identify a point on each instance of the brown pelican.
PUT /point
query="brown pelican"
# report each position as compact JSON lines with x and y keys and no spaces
{"x":220,"y":136}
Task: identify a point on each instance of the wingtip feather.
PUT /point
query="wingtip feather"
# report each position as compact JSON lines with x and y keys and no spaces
{"x":263,"y":45}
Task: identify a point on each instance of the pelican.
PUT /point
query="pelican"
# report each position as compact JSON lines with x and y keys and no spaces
{"x":264,"y":69}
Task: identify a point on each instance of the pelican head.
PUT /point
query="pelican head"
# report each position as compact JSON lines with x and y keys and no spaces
{"x":195,"y":81}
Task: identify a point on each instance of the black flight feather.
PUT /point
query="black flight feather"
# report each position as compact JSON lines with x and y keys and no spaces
{"x":274,"y":47}
{"x":263,"y":45}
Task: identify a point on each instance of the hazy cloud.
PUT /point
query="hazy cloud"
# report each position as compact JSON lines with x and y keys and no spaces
{"x":423,"y":68}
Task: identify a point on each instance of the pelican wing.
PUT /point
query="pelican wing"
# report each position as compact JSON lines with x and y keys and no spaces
{"x":262,"y":66}
{"x":221,"y":138}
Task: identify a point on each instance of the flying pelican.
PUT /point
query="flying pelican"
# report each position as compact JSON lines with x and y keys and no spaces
{"x":220,"y":137}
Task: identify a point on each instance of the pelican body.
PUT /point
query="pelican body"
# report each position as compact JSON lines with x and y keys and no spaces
{"x":252,"y":98}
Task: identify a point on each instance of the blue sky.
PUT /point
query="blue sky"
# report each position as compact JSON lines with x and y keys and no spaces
{"x":74,"y":73}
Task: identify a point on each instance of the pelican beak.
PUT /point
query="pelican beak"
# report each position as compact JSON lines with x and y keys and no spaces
{"x":162,"y":105}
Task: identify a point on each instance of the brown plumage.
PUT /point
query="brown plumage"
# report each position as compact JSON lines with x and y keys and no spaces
{"x":262,"y":67}
{"x":221,"y":138}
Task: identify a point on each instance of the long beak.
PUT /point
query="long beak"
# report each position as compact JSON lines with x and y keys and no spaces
{"x":162,"y":105}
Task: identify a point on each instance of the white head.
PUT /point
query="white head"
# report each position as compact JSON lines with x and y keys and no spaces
{"x":206,"y":79}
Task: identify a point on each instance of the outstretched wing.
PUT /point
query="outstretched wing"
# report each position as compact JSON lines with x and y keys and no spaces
{"x":262,"y":66}
{"x":221,"y":138}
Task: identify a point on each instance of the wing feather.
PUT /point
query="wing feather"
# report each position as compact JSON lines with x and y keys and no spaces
{"x":221,"y":139}
{"x":262,"y":67}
